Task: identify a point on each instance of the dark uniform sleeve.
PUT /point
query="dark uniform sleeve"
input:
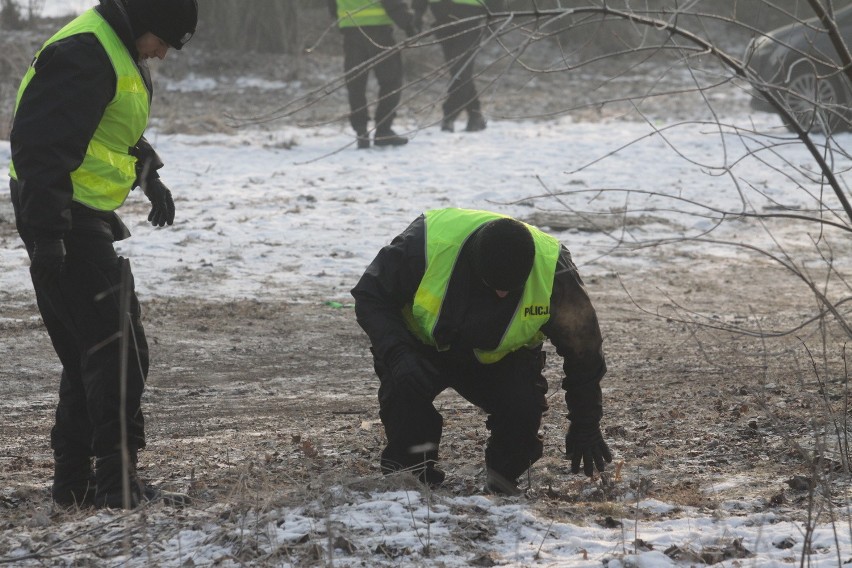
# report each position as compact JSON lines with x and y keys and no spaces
{"x":398,"y":11}
{"x":147,"y":162}
{"x":574,"y":331}
{"x":54,"y":122}
{"x":389,"y":284}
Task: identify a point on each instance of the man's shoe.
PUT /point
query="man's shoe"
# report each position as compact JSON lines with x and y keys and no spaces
{"x":389,"y":138}
{"x":73,"y":481}
{"x":109,"y":474}
{"x":363,"y":140}
{"x":475,"y":121}
{"x":432,"y":476}
{"x":140,"y":493}
{"x":498,"y":484}
{"x":448,"y":125}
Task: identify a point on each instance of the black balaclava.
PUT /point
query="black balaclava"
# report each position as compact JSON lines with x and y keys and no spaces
{"x":173,"y":21}
{"x":503,"y":254}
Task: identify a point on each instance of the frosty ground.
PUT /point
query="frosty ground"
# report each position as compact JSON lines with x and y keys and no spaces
{"x":261,"y":399}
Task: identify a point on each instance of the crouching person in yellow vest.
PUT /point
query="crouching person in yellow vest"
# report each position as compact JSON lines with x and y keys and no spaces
{"x":464,"y":299}
{"x":77,"y":151}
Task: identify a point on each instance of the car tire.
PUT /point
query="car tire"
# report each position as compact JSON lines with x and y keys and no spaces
{"x":816,"y":102}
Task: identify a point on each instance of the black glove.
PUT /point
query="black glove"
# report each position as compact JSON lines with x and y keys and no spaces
{"x":162,"y":204}
{"x":584,"y":442}
{"x":48,"y":261}
{"x":412,"y":372}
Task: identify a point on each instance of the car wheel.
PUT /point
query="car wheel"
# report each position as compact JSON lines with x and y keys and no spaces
{"x":815,"y":101}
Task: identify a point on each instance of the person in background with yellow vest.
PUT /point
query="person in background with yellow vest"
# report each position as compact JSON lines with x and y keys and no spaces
{"x":464,"y":299}
{"x":366,"y":26}
{"x":459,"y":25}
{"x":77,"y":151}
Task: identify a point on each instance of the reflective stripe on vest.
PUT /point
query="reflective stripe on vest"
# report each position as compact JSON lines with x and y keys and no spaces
{"x":358,"y":13}
{"x":446,"y":232}
{"x":108,"y":171}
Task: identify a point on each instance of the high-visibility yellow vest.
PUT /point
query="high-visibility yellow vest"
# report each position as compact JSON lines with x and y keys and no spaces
{"x":358,"y":13}
{"x":446,"y":232}
{"x":108,"y":171}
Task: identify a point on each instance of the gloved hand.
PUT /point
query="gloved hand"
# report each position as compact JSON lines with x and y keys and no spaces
{"x":162,"y":204}
{"x":48,"y":261}
{"x":584,"y":442}
{"x":412,"y":372}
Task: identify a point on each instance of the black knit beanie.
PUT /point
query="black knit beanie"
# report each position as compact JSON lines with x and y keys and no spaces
{"x":503,"y":254}
{"x":173,"y":21}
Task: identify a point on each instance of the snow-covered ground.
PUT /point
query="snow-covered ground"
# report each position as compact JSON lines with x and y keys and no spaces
{"x":299,"y":212}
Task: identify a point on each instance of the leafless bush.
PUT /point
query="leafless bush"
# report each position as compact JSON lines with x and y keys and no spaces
{"x":825,"y":222}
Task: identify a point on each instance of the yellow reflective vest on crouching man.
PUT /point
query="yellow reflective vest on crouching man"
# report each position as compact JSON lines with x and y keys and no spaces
{"x":446,"y":232}
{"x":108,"y":171}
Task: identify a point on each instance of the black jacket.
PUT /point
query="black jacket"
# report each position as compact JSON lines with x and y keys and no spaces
{"x":397,"y":11}
{"x":55,"y":120}
{"x":473,"y":316}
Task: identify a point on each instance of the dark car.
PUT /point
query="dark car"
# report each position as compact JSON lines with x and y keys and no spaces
{"x":800,"y":65}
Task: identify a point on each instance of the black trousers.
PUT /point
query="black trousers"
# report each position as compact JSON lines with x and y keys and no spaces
{"x":83,"y":316}
{"x":360,"y":46}
{"x":511,"y":391}
{"x":459,"y":42}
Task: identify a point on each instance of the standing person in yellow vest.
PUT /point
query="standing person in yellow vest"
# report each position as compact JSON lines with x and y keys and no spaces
{"x":367,"y":29}
{"x":463,"y":299}
{"x":77,"y":151}
{"x":459,"y":25}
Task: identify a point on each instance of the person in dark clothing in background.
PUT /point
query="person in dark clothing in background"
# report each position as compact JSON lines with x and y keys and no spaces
{"x":464,"y":299}
{"x":367,"y":31}
{"x":459,"y":25}
{"x":77,"y":151}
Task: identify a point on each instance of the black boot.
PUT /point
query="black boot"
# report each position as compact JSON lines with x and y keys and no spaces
{"x":73,"y":481}
{"x":110,"y":475}
{"x":427,"y":471}
{"x":432,"y":475}
{"x":110,"y":493}
{"x":498,"y":484}
{"x":363,"y":139}
{"x":475,"y":121}
{"x":387,"y":137}
{"x":448,"y":124}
